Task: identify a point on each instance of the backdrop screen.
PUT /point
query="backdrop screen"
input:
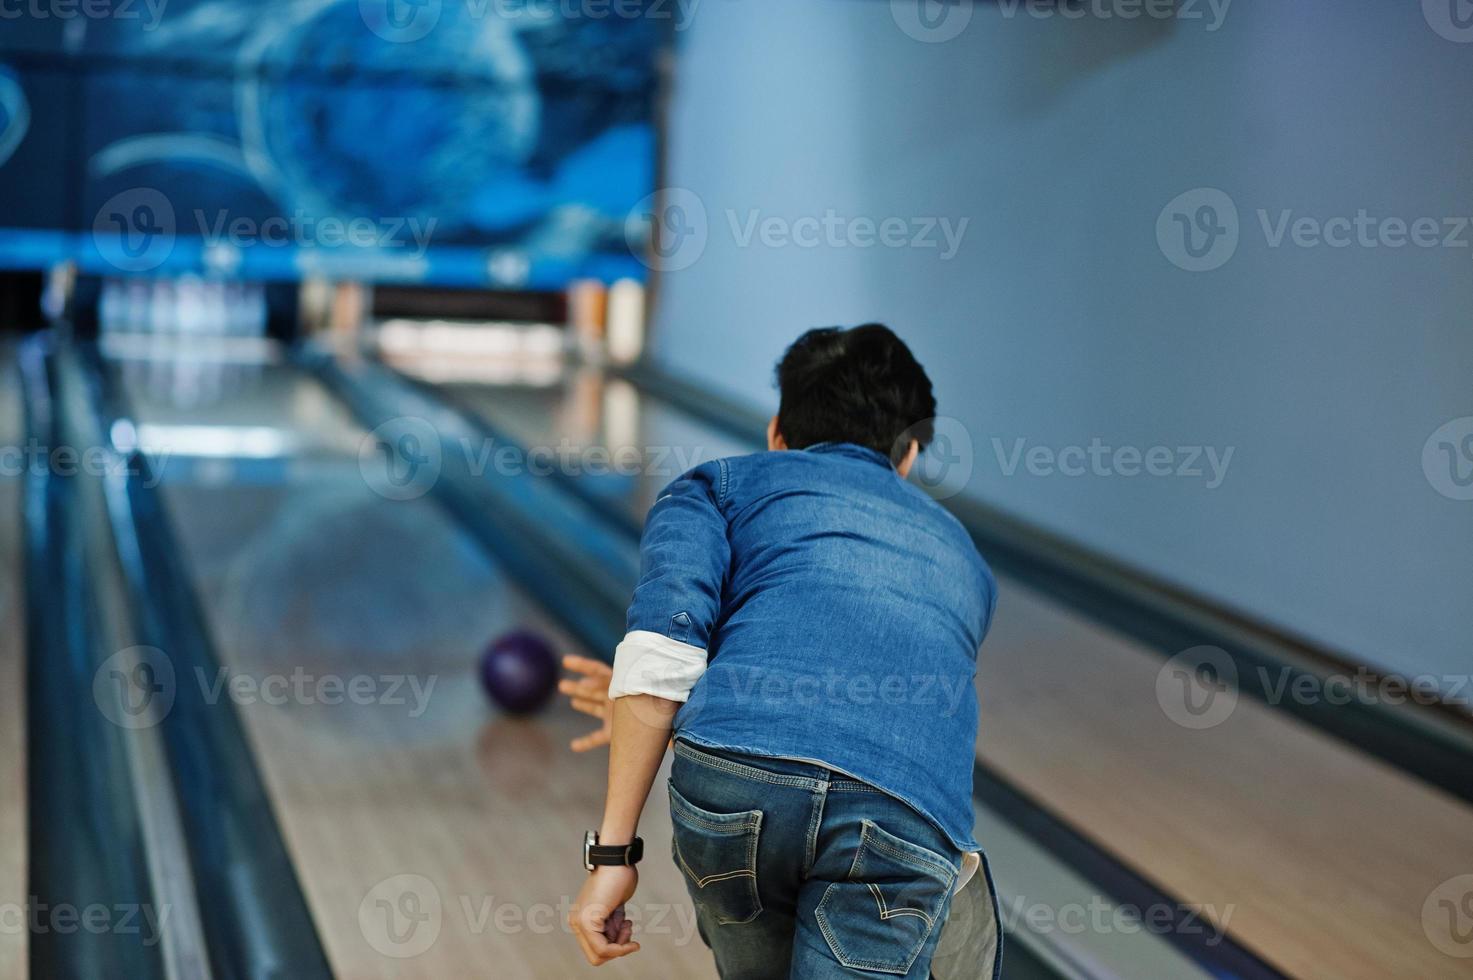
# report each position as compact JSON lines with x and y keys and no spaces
{"x":476,"y":142}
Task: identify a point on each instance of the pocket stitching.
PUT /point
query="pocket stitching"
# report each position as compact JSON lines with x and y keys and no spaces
{"x":905,"y":857}
{"x":709,"y":879}
{"x":947,"y":873}
{"x":886,"y":913}
{"x":750,"y":824}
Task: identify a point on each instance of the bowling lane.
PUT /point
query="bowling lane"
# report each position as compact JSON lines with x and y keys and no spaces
{"x":12,"y":675}
{"x":1247,"y":819}
{"x":433,"y":837}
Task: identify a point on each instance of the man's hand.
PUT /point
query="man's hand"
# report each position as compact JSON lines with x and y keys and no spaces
{"x":590,"y":695}
{"x":597,"y":917}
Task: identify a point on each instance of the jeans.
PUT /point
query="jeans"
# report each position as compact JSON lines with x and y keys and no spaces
{"x":799,"y":871}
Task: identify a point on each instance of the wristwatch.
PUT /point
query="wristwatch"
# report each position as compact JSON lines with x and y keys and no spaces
{"x":596,"y":855}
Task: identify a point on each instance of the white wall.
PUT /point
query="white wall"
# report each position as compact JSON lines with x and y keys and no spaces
{"x":1060,"y":319}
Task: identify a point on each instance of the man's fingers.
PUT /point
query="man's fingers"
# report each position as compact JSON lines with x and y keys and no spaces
{"x":592,"y":740}
{"x":599,"y":945}
{"x":590,"y":937}
{"x":587,"y":665}
{"x":597,"y":709}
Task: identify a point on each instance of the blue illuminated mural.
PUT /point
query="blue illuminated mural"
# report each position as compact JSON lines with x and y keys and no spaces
{"x":461,"y":142}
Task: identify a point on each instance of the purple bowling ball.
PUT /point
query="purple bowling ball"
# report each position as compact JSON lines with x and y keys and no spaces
{"x":520,"y":672}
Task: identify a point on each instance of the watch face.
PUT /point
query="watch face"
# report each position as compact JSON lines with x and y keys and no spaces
{"x":590,"y":839}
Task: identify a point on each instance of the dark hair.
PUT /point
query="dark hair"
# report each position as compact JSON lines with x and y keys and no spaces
{"x":860,"y":385}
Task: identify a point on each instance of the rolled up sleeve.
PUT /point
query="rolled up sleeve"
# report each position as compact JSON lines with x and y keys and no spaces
{"x":684,"y":557}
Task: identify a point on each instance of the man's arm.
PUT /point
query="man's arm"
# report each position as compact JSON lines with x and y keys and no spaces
{"x":685,"y":556}
{"x":642,"y":725}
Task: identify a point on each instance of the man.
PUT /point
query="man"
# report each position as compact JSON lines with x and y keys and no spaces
{"x":806,"y":625}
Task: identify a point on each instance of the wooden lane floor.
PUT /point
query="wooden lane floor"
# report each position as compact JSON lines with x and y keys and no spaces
{"x":432,"y":837}
{"x":1322,"y":860}
{"x":13,"y":905}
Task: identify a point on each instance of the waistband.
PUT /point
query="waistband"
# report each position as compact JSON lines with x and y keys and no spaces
{"x":789,"y":772}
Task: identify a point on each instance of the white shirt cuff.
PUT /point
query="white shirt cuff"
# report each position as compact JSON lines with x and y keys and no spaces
{"x":652,"y":663}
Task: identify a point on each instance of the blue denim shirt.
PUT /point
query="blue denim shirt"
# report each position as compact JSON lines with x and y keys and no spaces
{"x":841,"y":610}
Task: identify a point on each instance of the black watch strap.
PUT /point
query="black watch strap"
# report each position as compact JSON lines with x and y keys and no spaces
{"x":596,"y":855}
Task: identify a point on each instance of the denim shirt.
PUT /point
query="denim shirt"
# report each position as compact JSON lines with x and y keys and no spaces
{"x":840,"y":610}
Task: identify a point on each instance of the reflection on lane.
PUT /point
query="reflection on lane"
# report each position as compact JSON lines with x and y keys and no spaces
{"x":622,"y":445}
{"x":12,"y":727}
{"x":253,"y":404}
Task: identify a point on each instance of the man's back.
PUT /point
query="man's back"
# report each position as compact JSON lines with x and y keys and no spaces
{"x":844,"y":620}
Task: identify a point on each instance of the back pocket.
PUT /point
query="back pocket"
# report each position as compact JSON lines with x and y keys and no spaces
{"x":717,"y":854}
{"x":880,"y":917}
